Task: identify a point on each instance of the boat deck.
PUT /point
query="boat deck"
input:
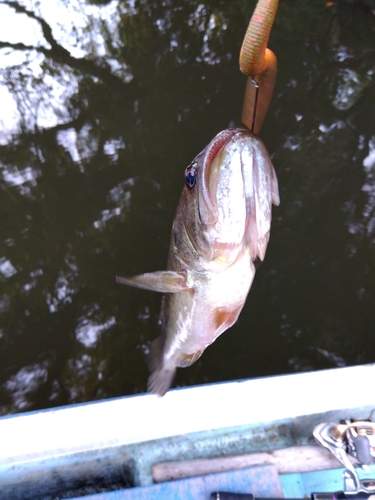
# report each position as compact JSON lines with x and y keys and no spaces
{"x":261,"y":481}
{"x":45,"y":454}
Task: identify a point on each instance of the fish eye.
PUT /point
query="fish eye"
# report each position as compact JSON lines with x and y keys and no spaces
{"x":190,"y":176}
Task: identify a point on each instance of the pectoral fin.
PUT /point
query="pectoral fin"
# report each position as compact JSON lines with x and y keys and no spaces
{"x":158,"y":281}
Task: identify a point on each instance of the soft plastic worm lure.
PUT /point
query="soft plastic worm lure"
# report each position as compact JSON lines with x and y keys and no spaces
{"x":258,"y":63}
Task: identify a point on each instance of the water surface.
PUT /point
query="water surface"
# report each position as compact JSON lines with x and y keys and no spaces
{"x":103,"y":105}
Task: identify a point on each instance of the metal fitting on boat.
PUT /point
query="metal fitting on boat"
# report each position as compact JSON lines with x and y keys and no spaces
{"x":353,"y":444}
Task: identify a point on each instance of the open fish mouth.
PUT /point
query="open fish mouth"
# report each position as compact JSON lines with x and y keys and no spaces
{"x":261,"y":191}
{"x":237,"y":189}
{"x":208,"y":210}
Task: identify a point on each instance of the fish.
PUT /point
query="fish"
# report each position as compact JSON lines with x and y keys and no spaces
{"x":221,"y":227}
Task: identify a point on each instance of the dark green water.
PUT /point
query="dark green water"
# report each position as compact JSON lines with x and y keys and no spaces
{"x":106,"y":104}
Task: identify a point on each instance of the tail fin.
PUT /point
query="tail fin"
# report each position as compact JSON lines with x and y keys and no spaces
{"x":160,"y":381}
{"x":161,"y":378}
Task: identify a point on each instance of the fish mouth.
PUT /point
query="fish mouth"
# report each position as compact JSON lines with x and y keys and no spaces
{"x":260,"y":190}
{"x":237,"y":187}
{"x":207,"y":200}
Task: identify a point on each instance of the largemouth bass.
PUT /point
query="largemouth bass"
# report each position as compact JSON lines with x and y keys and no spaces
{"x":221,"y":226}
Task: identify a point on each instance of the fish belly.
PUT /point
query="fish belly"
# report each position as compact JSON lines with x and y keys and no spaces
{"x":214,"y":307}
{"x":193,"y":321}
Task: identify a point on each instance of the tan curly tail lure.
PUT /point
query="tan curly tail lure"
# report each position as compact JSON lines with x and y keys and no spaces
{"x":258,"y":63}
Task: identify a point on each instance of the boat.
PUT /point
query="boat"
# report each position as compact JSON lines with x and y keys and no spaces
{"x":248,"y":436}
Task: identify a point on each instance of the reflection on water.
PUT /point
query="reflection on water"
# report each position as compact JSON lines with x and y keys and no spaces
{"x":103,"y":106}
